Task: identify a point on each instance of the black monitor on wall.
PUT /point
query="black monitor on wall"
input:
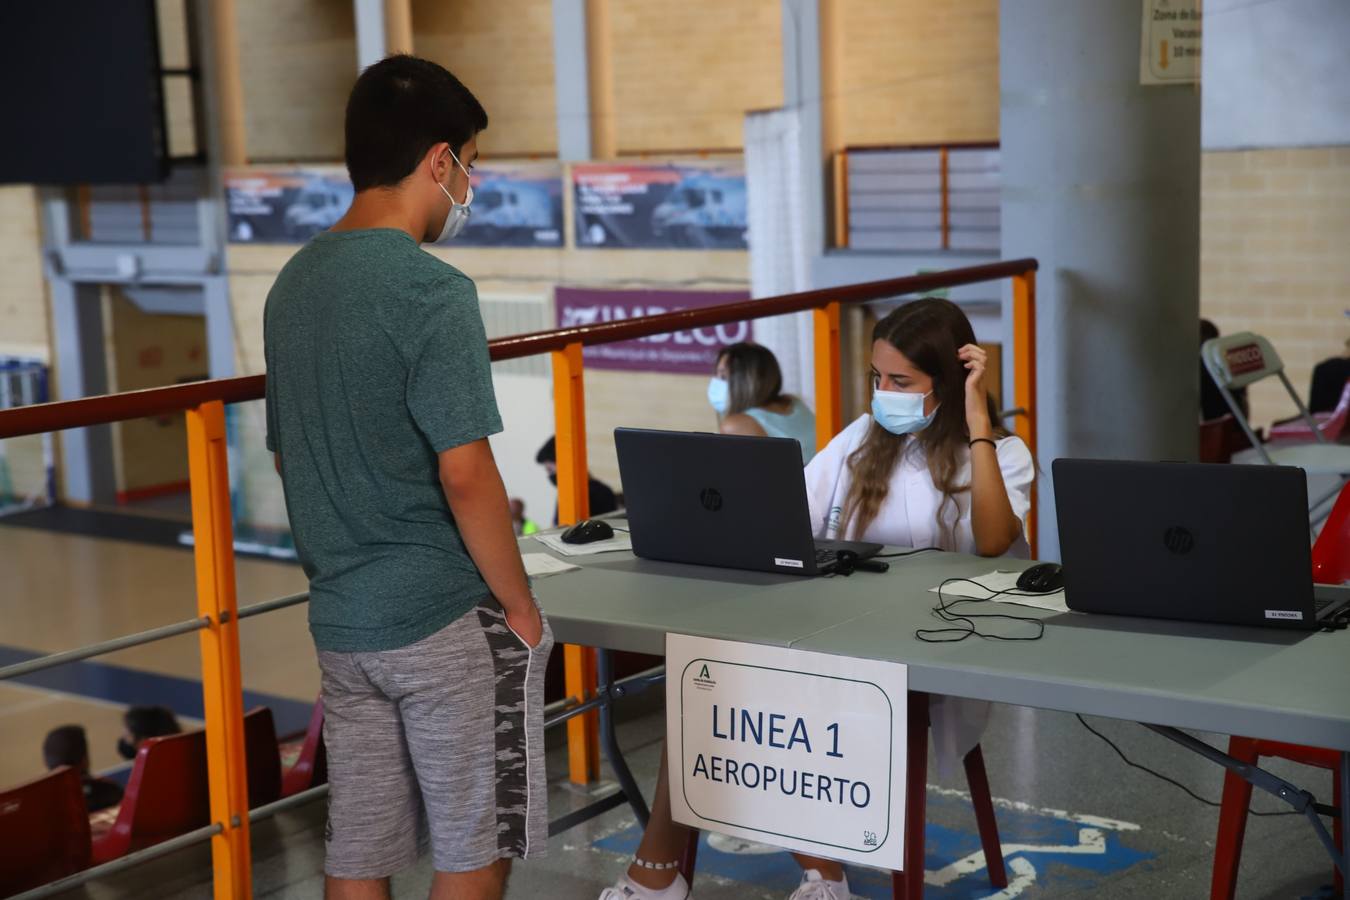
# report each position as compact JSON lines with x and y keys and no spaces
{"x":81,"y":95}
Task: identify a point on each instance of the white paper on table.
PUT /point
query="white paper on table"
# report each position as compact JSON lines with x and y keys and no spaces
{"x":984,"y":587}
{"x":554,"y":542}
{"x":541,"y":565}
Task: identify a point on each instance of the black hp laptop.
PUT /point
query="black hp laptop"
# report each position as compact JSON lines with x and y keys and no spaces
{"x":723,"y":500}
{"x":1204,"y":543}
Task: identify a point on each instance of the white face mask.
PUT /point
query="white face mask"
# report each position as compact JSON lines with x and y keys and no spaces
{"x":901,"y":412}
{"x":459,"y":212}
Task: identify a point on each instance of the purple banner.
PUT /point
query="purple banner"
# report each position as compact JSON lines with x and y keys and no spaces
{"x":692,"y":352}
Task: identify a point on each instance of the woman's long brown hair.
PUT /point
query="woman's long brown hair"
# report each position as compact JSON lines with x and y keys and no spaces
{"x":755,"y":379}
{"x":930,"y":333}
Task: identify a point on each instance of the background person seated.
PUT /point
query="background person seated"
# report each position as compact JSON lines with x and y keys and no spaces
{"x":143,"y":723}
{"x":68,"y":746}
{"x":602,"y":496}
{"x":1328,"y":381}
{"x":746,"y":392}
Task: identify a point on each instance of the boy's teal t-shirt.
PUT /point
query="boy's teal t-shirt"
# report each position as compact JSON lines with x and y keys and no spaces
{"x":376,"y":362}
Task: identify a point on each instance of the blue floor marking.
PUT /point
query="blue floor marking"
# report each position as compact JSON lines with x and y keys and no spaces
{"x":1077,"y":872}
{"x":119,"y":684}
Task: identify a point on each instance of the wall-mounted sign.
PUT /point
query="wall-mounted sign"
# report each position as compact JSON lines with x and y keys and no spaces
{"x":660,"y":206}
{"x":801,"y":750}
{"x":1170,"y":42}
{"x":693,"y":351}
{"x":514,"y":205}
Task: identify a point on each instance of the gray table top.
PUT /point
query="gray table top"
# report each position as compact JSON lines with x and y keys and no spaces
{"x":1290,"y":686}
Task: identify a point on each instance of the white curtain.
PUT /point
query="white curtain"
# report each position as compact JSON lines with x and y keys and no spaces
{"x":779,"y":255}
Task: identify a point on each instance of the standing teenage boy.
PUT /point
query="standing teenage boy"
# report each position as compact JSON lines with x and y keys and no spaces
{"x":379,"y":407}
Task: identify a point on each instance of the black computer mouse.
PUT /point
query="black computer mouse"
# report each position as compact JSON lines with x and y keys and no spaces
{"x":1045,"y":578}
{"x":588,"y":532}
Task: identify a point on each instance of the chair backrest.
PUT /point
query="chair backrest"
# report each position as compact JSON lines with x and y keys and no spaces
{"x":44,"y":831}
{"x":311,"y":768}
{"x":1238,"y":360}
{"x":167,"y":794}
{"x":1331,"y":552}
{"x":264,"y":762}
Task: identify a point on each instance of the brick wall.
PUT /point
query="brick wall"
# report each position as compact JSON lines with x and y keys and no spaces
{"x":1275,"y":256}
{"x":297,"y":62}
{"x":686,"y":73}
{"x":503,"y":51}
{"x":912,"y":71}
{"x":23,"y":291}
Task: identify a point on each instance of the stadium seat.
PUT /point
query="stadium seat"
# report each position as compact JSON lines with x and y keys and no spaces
{"x":167,"y":793}
{"x":311,"y":767}
{"x":44,"y":831}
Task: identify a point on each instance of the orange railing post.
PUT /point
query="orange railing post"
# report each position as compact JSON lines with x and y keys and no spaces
{"x":579,"y":666}
{"x":1024,"y":374}
{"x":222,"y":685}
{"x":829,"y":415}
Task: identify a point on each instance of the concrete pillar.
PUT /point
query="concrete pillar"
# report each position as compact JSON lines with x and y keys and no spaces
{"x":802,"y":91}
{"x":370,"y":39}
{"x":398,"y":29}
{"x":571,"y":80}
{"x":1101,"y":183}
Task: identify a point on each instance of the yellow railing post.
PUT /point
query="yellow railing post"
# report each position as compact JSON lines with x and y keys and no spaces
{"x":829,"y":415}
{"x":222,"y":687}
{"x":579,"y":668}
{"x":1024,"y":374}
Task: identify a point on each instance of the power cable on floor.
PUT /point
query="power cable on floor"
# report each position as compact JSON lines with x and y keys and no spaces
{"x":1172,"y":781}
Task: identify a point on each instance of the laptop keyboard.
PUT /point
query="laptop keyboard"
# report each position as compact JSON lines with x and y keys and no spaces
{"x":826,"y":558}
{"x":1320,"y":603}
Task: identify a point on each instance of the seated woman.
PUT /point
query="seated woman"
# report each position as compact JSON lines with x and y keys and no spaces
{"x":930,"y":467}
{"x":747,"y":394}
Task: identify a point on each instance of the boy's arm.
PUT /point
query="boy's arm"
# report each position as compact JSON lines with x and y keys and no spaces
{"x":473,"y":488}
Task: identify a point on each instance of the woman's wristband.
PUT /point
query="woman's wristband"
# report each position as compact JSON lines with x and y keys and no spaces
{"x":990,"y":441}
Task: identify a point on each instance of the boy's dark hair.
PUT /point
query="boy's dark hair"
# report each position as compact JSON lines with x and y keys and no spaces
{"x":150,"y":721}
{"x":65,"y":746}
{"x":547,"y":453}
{"x":399,"y":108}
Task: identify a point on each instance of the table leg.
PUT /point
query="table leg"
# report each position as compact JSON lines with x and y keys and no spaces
{"x":1343,"y":801}
{"x":609,"y":741}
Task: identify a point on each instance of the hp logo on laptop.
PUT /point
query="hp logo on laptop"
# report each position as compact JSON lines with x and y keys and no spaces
{"x":711,"y":499}
{"x":1179,"y":540}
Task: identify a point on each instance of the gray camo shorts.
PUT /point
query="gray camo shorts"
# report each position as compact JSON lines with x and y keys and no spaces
{"x":441,"y":741}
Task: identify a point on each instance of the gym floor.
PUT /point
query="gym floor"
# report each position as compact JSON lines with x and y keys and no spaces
{"x":1074,"y":818}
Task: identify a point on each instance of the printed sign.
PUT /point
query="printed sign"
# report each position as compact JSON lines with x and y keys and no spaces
{"x":514,"y":205}
{"x":801,"y":750}
{"x":284,"y":206}
{"x":1244,"y":360}
{"x":1170,"y":51}
{"x":691,"y":352}
{"x":661,"y":206}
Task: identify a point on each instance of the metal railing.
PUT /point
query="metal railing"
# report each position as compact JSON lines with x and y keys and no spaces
{"x":919,"y":197}
{"x":589,"y":681}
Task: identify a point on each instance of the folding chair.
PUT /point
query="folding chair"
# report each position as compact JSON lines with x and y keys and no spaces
{"x":1330,"y":424}
{"x":1239,"y":360}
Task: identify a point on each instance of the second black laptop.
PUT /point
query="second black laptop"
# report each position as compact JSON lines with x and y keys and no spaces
{"x":723,"y":500}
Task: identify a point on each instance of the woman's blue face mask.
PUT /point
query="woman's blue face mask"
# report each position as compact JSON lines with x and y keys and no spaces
{"x":901,"y":412}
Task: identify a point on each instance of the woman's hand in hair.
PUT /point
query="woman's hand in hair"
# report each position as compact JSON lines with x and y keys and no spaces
{"x":977,"y":402}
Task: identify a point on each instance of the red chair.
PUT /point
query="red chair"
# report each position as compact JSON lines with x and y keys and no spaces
{"x":1237,"y":795}
{"x":1331,"y":553}
{"x":264,"y":762}
{"x":1331,"y":565}
{"x":44,"y":831}
{"x":311,"y":769}
{"x":167,"y":793}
